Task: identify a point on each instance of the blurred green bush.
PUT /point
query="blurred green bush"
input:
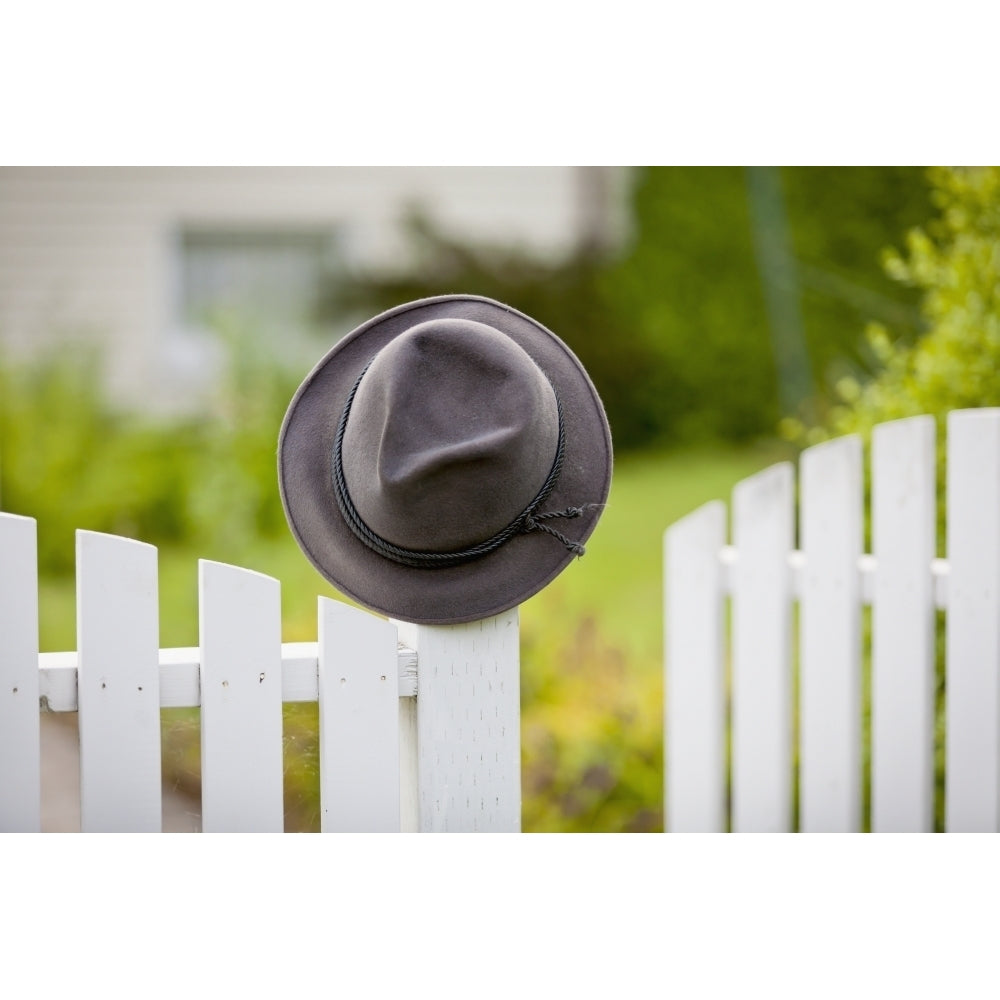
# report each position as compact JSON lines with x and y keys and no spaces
{"x":953,"y":262}
{"x":591,"y":734}
{"x":71,"y":460}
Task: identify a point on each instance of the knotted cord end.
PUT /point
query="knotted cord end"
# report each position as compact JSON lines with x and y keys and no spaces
{"x":533,"y":522}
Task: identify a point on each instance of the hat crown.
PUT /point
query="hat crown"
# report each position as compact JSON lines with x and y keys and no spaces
{"x":451,"y":434}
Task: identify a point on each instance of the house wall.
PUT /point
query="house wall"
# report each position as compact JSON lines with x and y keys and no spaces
{"x":92,"y":252}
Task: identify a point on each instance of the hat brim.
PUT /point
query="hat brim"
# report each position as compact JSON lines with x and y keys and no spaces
{"x":478,"y":589}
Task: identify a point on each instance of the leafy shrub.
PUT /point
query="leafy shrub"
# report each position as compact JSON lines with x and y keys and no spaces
{"x":71,"y":460}
{"x":954,"y":261}
{"x":591,"y":735}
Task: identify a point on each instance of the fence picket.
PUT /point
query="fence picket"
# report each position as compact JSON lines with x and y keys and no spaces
{"x":119,"y":684}
{"x":241,"y":724}
{"x":695,"y":738}
{"x":972,"y":753}
{"x":763,"y":527}
{"x":468,"y":724}
{"x":903,"y":493}
{"x":20,"y":767}
{"x":829,"y":671}
{"x":359,"y":721}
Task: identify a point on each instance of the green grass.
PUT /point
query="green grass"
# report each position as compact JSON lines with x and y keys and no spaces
{"x":619,"y":580}
{"x":591,"y":649}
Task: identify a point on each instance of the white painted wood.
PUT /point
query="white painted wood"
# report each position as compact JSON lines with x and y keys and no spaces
{"x":972,"y":755}
{"x":119,"y":696}
{"x":409,"y":755}
{"x":359,"y":721}
{"x":241,"y":727}
{"x":409,"y":776}
{"x":20,"y":769}
{"x":867,"y":571}
{"x":763,"y":533}
{"x":830,"y":668}
{"x":468,"y":725}
{"x":903,"y":524}
{"x":180,"y":676}
{"x":695,"y":696}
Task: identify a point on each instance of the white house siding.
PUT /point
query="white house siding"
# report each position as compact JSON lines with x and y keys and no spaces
{"x":92,"y":251}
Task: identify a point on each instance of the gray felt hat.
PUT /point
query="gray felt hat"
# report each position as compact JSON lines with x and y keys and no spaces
{"x":444,"y":461}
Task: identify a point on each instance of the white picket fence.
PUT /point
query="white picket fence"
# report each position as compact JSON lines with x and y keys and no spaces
{"x":422,"y":736}
{"x":420,"y":726}
{"x":787,"y":689}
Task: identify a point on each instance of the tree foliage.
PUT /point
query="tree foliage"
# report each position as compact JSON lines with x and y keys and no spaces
{"x":953,"y":262}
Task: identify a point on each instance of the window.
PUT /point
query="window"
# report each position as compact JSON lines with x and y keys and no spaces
{"x":268,"y":280}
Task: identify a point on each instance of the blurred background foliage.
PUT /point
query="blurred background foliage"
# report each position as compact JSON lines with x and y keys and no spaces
{"x":751,"y":312}
{"x":675,"y":329}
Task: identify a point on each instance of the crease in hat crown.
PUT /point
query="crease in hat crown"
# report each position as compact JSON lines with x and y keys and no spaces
{"x":452,"y":431}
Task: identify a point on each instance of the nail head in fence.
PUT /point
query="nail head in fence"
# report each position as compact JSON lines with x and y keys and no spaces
{"x":695,"y":773}
{"x":241,"y":724}
{"x":972,"y":757}
{"x":20,"y":766}
{"x":763,"y":533}
{"x":119,"y":684}
{"x":903,"y":524}
{"x":830,"y":637}
{"x":359,"y":721}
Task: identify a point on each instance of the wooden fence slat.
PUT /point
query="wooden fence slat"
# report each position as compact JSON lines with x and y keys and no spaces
{"x":830,"y":666}
{"x":119,"y":684}
{"x":695,"y":696}
{"x":903,"y":505}
{"x":359,"y":721}
{"x":241,"y":724}
{"x":20,"y":767}
{"x":763,"y":533}
{"x":972,"y":743}
{"x":468,"y":724}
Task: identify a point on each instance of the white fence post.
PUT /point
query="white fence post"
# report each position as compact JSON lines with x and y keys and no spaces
{"x":468,"y":724}
{"x":695,"y":738}
{"x":972,"y":757}
{"x":903,"y":502}
{"x":119,"y":684}
{"x":242,"y":765}
{"x":359,"y":721}
{"x":20,"y":773}
{"x":830,"y":638}
{"x":763,"y":533}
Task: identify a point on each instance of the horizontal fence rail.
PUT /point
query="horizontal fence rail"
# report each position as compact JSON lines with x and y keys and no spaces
{"x":180,"y":676}
{"x":867,"y":568}
{"x":785,"y":708}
